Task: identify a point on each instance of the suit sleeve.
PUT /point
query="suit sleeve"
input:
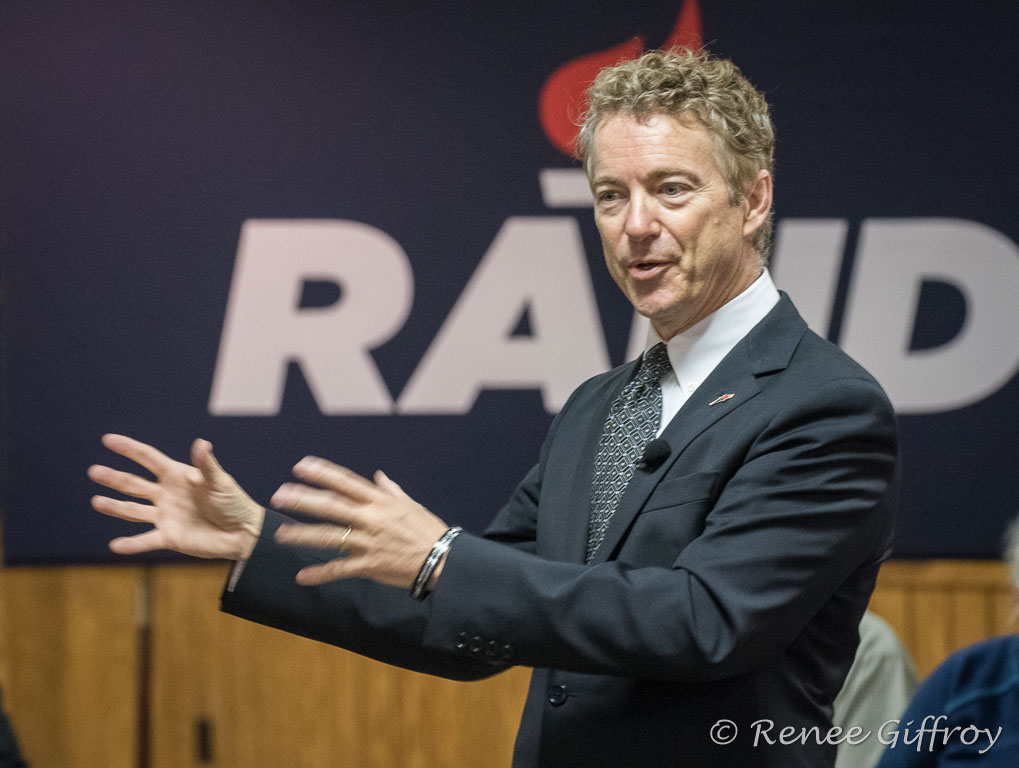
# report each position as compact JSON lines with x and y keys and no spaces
{"x":805,"y":508}
{"x":378,"y":621}
{"x":374,"y":620}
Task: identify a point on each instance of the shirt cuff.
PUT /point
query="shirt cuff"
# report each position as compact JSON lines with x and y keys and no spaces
{"x":235,"y":575}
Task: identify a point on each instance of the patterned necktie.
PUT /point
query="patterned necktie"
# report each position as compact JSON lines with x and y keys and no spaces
{"x":632,"y":424}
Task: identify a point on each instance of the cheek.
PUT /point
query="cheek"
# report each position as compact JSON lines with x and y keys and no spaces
{"x":609,"y":234}
{"x":610,"y":252}
{"x":714,"y":243}
{"x":727,"y":228}
{"x":616,"y":272}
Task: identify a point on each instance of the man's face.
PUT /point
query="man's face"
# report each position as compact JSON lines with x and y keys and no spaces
{"x":675,"y":246}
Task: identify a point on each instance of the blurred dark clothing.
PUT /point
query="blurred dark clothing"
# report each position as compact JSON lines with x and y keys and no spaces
{"x":971,"y":698}
{"x":10,"y":755}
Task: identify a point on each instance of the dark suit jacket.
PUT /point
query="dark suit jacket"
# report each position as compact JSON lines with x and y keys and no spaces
{"x":729,"y":586}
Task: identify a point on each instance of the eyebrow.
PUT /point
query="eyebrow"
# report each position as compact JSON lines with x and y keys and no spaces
{"x":657,"y":173}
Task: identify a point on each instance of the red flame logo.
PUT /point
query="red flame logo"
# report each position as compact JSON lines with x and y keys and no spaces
{"x":562,"y":101}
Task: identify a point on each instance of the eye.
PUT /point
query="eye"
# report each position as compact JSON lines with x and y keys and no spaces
{"x":673,"y":188}
{"x":607,"y":196}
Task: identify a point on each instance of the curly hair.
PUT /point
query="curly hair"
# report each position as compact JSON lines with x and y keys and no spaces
{"x":712,"y":91}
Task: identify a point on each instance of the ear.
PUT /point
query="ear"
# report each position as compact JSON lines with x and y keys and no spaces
{"x":757,"y":203}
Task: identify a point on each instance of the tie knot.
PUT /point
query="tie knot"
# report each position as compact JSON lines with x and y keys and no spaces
{"x":656,"y":363}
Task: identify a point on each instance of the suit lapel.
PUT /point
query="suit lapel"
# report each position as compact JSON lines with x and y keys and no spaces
{"x":767,"y":348}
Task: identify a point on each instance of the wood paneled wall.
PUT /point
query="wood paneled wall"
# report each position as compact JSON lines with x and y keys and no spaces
{"x":940,"y":606}
{"x":277,"y":700}
{"x":127,"y":667}
{"x":70,"y":662}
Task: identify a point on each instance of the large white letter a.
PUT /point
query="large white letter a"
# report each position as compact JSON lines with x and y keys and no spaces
{"x":537,"y":265}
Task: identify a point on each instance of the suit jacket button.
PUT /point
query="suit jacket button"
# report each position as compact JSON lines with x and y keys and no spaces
{"x":492,"y":649}
{"x":461,"y":641}
{"x":476,"y":644}
{"x":557,"y":695}
{"x":506,"y":652}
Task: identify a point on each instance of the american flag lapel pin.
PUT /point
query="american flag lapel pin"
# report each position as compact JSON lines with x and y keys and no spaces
{"x":722,"y":398}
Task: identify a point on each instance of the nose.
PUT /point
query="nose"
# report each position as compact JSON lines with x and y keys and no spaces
{"x":641,"y":219}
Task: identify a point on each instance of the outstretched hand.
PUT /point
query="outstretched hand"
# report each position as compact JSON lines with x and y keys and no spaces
{"x":382,"y":533}
{"x":196,"y":509}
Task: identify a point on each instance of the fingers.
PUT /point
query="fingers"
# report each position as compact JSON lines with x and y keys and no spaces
{"x":313,"y":575}
{"x":125,"y":510}
{"x":336,"y":478}
{"x":124,"y":482}
{"x":318,"y":503}
{"x":150,"y":458}
{"x":142,"y":542}
{"x":320,"y":536}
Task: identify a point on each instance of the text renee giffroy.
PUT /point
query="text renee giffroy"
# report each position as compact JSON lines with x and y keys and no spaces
{"x":927,"y":734}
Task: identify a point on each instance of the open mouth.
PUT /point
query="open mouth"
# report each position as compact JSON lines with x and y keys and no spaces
{"x":645,"y":269}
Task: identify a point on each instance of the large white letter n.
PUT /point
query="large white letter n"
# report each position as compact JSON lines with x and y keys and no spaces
{"x":266,"y":328}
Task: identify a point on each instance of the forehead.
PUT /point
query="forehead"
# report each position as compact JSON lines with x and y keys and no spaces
{"x":626,"y":142}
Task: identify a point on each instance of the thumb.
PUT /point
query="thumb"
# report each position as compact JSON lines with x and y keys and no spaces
{"x":386,"y":484}
{"x":202,"y":457}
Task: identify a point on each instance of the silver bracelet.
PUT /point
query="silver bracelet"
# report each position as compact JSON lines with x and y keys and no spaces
{"x":428,"y":566}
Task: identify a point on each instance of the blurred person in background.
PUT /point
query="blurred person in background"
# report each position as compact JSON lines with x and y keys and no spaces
{"x":10,"y":755}
{"x":967,"y":711}
{"x":879,"y":687}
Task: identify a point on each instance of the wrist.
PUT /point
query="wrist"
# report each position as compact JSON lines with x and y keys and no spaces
{"x":428,"y":575}
{"x":250,"y":529}
{"x":433,"y":580}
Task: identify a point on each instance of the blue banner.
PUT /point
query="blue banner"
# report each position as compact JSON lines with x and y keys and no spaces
{"x":354,"y":230}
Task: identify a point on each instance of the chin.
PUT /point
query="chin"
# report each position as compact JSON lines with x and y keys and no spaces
{"x":658,"y":309}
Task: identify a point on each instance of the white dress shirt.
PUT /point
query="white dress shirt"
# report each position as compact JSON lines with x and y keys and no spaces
{"x":695,"y":352}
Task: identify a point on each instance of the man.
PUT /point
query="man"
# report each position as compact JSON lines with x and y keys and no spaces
{"x":690,"y":558}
